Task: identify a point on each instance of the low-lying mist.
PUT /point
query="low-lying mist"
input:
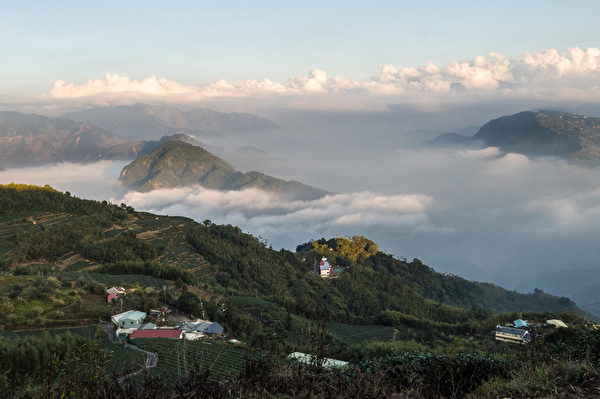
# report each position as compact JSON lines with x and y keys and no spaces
{"x":479,"y":214}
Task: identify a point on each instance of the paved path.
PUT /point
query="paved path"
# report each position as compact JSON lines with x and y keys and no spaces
{"x":151,"y":357}
{"x":151,"y":361}
{"x":112,"y":334}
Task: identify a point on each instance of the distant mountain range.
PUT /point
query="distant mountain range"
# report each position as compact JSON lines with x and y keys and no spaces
{"x":175,"y":164}
{"x":134,"y":149}
{"x":174,"y":160}
{"x":142,"y":121}
{"x":542,"y":133}
{"x":27,"y":139}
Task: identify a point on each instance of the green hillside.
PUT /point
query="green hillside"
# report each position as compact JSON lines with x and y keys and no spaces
{"x":45,"y":231}
{"x":61,"y":252}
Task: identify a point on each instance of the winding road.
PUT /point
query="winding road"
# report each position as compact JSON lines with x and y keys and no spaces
{"x":151,"y":357}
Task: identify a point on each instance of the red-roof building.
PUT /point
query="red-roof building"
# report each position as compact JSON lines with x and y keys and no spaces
{"x":160,"y":333}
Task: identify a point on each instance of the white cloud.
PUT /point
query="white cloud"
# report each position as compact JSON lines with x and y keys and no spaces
{"x":484,"y":153}
{"x":254,"y":207}
{"x":94,"y":180}
{"x":571,"y":75}
{"x":564,"y":213}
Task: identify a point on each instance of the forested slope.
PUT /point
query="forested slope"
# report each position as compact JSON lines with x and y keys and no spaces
{"x":224,"y":260}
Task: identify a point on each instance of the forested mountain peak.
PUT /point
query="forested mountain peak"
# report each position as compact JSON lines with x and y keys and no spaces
{"x":554,"y":133}
{"x":176,"y":163}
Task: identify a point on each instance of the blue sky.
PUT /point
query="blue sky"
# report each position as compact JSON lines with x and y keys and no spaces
{"x":189,"y":42}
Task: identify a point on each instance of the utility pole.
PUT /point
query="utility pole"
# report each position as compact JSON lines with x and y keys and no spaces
{"x":203,"y":313}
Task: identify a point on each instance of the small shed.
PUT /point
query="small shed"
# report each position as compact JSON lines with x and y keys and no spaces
{"x":111,"y":296}
{"x":126,"y":332}
{"x":520,"y":323}
{"x":193,"y":336}
{"x":556,"y":323}
{"x":115,"y":290}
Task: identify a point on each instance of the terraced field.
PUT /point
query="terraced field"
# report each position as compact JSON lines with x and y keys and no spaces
{"x":177,"y":358}
{"x":170,"y":232}
{"x":121,"y":360}
{"x":86,"y":331}
{"x":352,"y":334}
{"x":117,"y":279}
{"x":11,"y":225}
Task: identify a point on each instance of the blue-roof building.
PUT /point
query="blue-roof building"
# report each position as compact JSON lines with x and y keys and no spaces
{"x":214,"y":329}
{"x":205,"y":327}
{"x":519,"y":323}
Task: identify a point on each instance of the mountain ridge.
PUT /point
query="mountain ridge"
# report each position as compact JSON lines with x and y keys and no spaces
{"x":143,"y":121}
{"x":538,"y":133}
{"x":30,"y":139}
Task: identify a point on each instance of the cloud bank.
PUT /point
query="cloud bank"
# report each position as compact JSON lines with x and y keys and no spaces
{"x":269,"y":215}
{"x":573,"y":75}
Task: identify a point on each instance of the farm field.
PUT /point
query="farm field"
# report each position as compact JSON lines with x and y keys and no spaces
{"x":120,"y":360}
{"x":11,"y":225}
{"x":177,"y":358}
{"x":85,"y":331}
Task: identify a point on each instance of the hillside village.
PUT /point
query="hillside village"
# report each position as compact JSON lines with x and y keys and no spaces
{"x":160,"y":323}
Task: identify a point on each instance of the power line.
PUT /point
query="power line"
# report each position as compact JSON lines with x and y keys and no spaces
{"x":589,"y":304}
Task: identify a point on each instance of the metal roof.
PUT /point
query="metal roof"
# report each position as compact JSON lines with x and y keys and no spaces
{"x":556,"y":323}
{"x":511,"y":330}
{"x":156,"y":334}
{"x":521,"y":323}
{"x":214,"y":328}
{"x":130,"y":314}
{"x":203,"y":327}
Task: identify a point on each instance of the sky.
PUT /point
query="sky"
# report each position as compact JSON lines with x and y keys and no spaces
{"x":357,"y":88}
{"x":191,"y":42}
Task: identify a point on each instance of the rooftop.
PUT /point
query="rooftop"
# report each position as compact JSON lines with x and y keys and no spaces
{"x":156,"y":334}
{"x":130,"y":314}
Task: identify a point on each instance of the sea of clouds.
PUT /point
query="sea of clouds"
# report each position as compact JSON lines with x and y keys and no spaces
{"x":479,"y":214}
